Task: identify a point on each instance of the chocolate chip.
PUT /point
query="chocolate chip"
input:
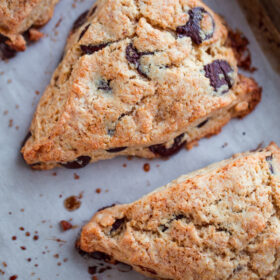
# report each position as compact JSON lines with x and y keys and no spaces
{"x":180,"y":217}
{"x":146,"y":269}
{"x":100,"y":256}
{"x":117,"y":224}
{"x":104,"y":85}
{"x":269,"y":159}
{"x":80,"y":162}
{"x":164,"y":228}
{"x":80,"y":21}
{"x":83,"y":32}
{"x":193,"y":27}
{"x":92,"y":11}
{"x":162,"y":151}
{"x":105,"y":207}
{"x":203,"y":123}
{"x":6,"y":51}
{"x":133,"y":56}
{"x":219,"y":72}
{"x":116,"y":150}
{"x":238,"y":268}
{"x":90,"y":49}
{"x":26,"y":138}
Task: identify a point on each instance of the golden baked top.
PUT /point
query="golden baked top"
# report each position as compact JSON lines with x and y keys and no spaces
{"x":220,"y":222}
{"x":135,"y":73}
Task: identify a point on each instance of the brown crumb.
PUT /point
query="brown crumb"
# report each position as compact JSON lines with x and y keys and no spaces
{"x":94,"y":278}
{"x":4,"y":264}
{"x":14,"y":277}
{"x":124,"y":165}
{"x":37,"y":92}
{"x":11,"y":123}
{"x":58,"y":23}
{"x":35,"y":237}
{"x":56,"y":256}
{"x":65,"y":225}
{"x":23,"y":248}
{"x":14,"y":238}
{"x":27,"y":234}
{"x":240,"y":43}
{"x":59,"y":263}
{"x":225,"y":145}
{"x":21,"y":228}
{"x":17,"y":127}
{"x":54,"y":173}
{"x":98,"y":190}
{"x":17,"y":106}
{"x":35,"y":35}
{"x":5,"y":112}
{"x":146,"y":167}
{"x":72,"y":203}
{"x":9,"y":81}
{"x":65,"y":259}
{"x":29,"y":259}
{"x":129,"y":157}
{"x":21,"y":210}
{"x":76,"y":176}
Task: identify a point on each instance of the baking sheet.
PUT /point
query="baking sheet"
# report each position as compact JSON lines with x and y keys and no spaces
{"x":34,"y":200}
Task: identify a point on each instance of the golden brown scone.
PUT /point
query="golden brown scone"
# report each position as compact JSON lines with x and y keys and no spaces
{"x":19,"y":19}
{"x":220,"y":222}
{"x":140,"y":78}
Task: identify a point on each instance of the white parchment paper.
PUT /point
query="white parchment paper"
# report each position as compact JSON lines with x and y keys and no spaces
{"x":34,"y":200}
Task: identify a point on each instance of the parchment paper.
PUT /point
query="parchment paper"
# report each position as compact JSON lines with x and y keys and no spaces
{"x":34,"y":200}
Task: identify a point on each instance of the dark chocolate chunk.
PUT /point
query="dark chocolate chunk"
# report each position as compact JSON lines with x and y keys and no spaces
{"x":133,"y":56}
{"x":6,"y":51}
{"x":92,"y":11}
{"x":180,"y":217}
{"x":193,"y":28}
{"x":203,"y":123}
{"x":164,"y":228}
{"x":147,"y":269}
{"x":92,"y":270}
{"x":80,"y":21}
{"x":83,"y":32}
{"x":26,"y":138}
{"x":117,"y":224}
{"x":238,"y":268}
{"x":80,"y":162}
{"x":90,"y":49}
{"x":104,"y":85}
{"x":219,"y":74}
{"x":269,"y":159}
{"x":105,"y":207}
{"x":162,"y":151}
{"x":116,"y":150}
{"x":100,"y":256}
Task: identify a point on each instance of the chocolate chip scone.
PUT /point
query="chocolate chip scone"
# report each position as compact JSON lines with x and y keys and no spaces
{"x":220,"y":222}
{"x":141,"y":78}
{"x":19,"y":21}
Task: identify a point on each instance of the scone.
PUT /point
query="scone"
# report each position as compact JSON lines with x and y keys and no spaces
{"x":19,"y":21}
{"x":141,"y":78}
{"x":220,"y":222}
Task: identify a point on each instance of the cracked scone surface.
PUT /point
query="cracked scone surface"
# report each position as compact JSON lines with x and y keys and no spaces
{"x":140,"y":78}
{"x":19,"y":17}
{"x":220,"y":222}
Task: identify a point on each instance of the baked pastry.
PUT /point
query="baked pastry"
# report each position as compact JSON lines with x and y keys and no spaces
{"x":19,"y":21}
{"x":139,"y":78}
{"x":220,"y":222}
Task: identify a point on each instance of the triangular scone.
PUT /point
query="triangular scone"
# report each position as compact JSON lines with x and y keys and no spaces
{"x":220,"y":222}
{"x":19,"y":20}
{"x":140,"y":78}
